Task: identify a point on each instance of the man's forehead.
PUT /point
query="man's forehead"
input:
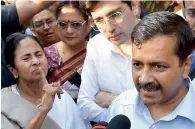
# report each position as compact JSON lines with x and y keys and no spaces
{"x":158,"y":44}
{"x":45,"y":14}
{"x":104,"y":7}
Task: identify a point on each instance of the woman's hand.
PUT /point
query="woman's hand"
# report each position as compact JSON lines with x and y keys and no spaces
{"x":50,"y":90}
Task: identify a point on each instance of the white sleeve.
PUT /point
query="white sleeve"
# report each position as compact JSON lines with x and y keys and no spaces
{"x":112,"y":110}
{"x":89,"y":88}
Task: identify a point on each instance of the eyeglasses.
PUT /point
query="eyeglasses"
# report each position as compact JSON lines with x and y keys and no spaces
{"x":41,"y":24}
{"x":73,"y":24}
{"x":114,"y":18}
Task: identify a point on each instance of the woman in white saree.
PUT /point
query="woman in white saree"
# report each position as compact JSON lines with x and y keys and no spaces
{"x":33,"y":103}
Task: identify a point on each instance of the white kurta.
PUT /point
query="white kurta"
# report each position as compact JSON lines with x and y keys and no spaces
{"x":104,"y":70}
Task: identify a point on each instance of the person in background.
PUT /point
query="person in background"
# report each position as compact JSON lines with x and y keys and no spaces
{"x":138,"y":10}
{"x":27,"y":62}
{"x":42,"y":27}
{"x":154,"y":6}
{"x":161,"y":60}
{"x":104,"y":74}
{"x":189,"y":14}
{"x":66,"y":58}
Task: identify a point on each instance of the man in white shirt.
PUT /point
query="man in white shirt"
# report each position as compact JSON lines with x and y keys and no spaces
{"x":161,"y":59}
{"x":107,"y":69}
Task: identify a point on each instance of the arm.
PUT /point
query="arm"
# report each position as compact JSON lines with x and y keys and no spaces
{"x":112,"y":111}
{"x":38,"y":119}
{"x":89,"y":88}
{"x":104,"y":99}
{"x":50,"y":90}
{"x":15,"y":15}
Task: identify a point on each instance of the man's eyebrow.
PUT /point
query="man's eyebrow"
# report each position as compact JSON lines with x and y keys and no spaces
{"x":109,"y":13}
{"x":158,"y":63}
{"x":135,"y":60}
{"x":113,"y":11}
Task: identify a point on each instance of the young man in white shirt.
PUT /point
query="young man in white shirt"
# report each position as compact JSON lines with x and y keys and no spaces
{"x":161,"y":59}
{"x":106,"y":69}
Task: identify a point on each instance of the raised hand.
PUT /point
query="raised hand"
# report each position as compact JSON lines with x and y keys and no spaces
{"x":50,"y":91}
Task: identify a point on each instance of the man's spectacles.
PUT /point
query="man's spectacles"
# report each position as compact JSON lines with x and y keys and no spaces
{"x":114,"y":18}
{"x":73,"y":24}
{"x":41,"y":24}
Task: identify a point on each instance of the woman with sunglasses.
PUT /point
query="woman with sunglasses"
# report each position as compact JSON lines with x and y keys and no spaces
{"x":73,"y":30}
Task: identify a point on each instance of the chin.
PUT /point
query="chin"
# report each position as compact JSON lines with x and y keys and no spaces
{"x":150,"y":101}
{"x":36,"y":78}
{"x":71,"y":43}
{"x":117,"y":43}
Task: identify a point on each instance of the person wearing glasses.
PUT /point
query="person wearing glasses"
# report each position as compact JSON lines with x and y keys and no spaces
{"x":107,"y":69}
{"x":42,"y":27}
{"x":189,"y":14}
{"x":66,"y":57}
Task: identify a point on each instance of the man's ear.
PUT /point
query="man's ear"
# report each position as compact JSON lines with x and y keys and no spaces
{"x":13,"y":71}
{"x":186,"y":66}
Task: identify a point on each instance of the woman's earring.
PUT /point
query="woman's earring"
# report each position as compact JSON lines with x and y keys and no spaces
{"x":16,"y":76}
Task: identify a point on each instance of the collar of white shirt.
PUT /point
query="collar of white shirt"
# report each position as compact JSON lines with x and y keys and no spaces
{"x":184,"y":109}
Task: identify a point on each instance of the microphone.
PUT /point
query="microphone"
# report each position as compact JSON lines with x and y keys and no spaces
{"x":100,"y":125}
{"x":119,"y":122}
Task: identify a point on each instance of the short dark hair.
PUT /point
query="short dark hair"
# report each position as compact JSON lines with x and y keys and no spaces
{"x":165,"y":23}
{"x":76,"y":5}
{"x":89,"y":5}
{"x":12,"y":43}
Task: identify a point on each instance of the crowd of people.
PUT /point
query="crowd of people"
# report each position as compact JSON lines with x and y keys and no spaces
{"x":71,"y":64}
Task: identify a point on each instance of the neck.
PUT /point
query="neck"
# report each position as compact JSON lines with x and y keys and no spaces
{"x":31,"y":91}
{"x":73,"y":48}
{"x":160,"y":110}
{"x":125,"y":49}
